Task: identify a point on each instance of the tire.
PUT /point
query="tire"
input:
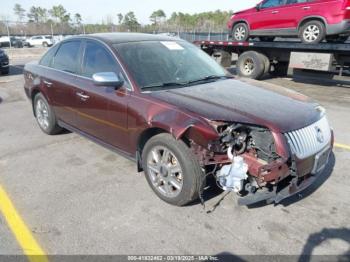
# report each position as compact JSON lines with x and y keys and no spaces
{"x":312,"y":32}
{"x":337,"y":38}
{"x":48,"y":123}
{"x":251,"y":64}
{"x":240,"y":32}
{"x":45,"y":44}
{"x":267,"y":63}
{"x":188,"y":181}
{"x":266,"y":38}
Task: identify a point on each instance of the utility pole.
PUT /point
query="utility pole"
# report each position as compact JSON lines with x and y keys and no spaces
{"x":8,"y":32}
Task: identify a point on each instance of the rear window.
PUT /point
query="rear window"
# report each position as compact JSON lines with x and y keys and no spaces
{"x":66,"y":58}
{"x":46,"y":60}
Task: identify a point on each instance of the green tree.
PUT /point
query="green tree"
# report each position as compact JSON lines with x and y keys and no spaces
{"x":120,"y":18}
{"x":19,"y":12}
{"x":33,"y":14}
{"x":130,"y":21}
{"x":59,"y":13}
{"x":157,"y":16}
{"x":78,"y":19}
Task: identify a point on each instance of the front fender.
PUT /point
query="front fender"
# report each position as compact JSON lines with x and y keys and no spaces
{"x":181,"y":125}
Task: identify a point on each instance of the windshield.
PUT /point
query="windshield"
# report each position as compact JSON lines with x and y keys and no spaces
{"x":168,"y":63}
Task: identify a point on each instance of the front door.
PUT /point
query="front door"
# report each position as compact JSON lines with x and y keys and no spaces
{"x":101,"y":110}
{"x":271,"y":15}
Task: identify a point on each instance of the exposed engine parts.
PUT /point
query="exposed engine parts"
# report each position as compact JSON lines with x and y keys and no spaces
{"x":231,"y":177}
{"x":254,"y":161}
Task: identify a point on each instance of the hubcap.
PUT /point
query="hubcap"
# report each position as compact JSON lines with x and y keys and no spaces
{"x":42,"y":114}
{"x":248,"y":66}
{"x":165,"y":171}
{"x":240,"y":33}
{"x":311,"y":33}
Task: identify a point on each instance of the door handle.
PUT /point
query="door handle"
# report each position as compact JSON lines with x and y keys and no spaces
{"x":274,"y":12}
{"x":82,"y":96}
{"x":47,"y":83}
{"x":306,"y":7}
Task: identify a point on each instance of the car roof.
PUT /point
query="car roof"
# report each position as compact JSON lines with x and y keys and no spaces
{"x":118,"y":38}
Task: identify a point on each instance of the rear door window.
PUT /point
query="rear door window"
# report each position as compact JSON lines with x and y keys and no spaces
{"x":46,"y":60}
{"x":67,"y":57}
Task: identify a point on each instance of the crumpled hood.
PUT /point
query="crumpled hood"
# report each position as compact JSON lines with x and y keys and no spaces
{"x":279,"y":109}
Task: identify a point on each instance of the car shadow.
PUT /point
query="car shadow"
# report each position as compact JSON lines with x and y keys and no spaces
{"x":316,"y":239}
{"x":210,"y":191}
{"x":322,"y":178}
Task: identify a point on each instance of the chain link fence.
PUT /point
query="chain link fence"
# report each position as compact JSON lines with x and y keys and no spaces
{"x":13,"y":33}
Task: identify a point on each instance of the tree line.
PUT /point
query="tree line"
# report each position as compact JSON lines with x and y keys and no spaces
{"x":57,"y":20}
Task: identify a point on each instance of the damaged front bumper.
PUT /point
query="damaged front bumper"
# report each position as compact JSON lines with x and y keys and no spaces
{"x":289,"y":186}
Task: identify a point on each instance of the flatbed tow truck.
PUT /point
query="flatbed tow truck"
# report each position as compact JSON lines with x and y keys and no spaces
{"x":256,"y":59}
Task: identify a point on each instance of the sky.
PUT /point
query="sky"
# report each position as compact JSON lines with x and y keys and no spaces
{"x":95,"y":10}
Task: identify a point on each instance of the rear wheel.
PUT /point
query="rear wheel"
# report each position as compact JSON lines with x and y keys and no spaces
{"x":45,"y":116}
{"x":240,"y":32}
{"x":312,"y":32}
{"x":171,"y":170}
{"x":251,"y":64}
{"x":45,"y":44}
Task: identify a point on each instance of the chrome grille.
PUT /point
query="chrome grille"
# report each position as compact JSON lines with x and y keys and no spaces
{"x":310,"y":140}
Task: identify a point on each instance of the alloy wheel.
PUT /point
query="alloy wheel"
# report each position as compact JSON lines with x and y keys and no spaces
{"x":311,"y":33}
{"x":42,"y":114}
{"x":240,"y":33}
{"x":165,"y":171}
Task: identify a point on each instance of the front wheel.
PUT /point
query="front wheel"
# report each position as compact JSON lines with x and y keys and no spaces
{"x":45,"y":116}
{"x":240,"y":33}
{"x":312,"y":32}
{"x":171,"y":170}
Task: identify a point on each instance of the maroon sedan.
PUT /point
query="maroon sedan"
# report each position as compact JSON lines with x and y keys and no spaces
{"x":167,"y":105}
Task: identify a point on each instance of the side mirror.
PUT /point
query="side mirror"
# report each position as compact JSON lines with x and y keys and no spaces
{"x":258,"y":7}
{"x":107,"y":79}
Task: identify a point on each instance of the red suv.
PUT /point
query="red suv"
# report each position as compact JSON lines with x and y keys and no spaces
{"x":311,"y":20}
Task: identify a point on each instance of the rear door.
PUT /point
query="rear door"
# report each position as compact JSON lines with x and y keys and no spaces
{"x":295,"y":11}
{"x":60,"y":82}
{"x":270,"y":16}
{"x":102,"y":110}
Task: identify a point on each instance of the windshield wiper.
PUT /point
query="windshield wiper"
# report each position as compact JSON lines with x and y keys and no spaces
{"x":161,"y":85}
{"x":207,"y":78}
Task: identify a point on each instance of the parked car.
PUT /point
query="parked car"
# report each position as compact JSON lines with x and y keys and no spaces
{"x":4,"y":63}
{"x":40,"y":40}
{"x":311,"y":20}
{"x":170,"y":107}
{"x":15,"y":42}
